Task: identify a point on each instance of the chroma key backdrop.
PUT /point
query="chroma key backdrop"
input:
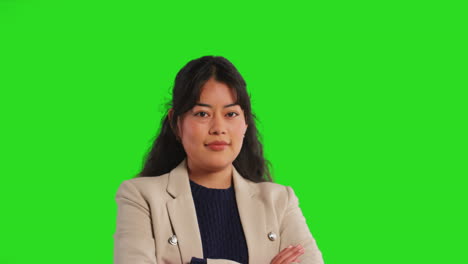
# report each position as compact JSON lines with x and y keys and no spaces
{"x":361,"y":106}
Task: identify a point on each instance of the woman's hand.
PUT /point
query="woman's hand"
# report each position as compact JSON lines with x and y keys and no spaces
{"x":288,"y":255}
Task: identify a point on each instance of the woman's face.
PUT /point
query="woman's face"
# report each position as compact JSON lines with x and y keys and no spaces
{"x":213,"y":118}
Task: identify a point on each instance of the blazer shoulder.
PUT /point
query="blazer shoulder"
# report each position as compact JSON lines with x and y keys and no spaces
{"x":144,"y":186}
{"x":275,"y":193}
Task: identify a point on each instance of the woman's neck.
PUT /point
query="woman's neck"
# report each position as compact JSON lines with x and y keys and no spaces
{"x":219,"y":179}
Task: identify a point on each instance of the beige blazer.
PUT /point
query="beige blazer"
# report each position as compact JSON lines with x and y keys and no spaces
{"x":157,"y":222}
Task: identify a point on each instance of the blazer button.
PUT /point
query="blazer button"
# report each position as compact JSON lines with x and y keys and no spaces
{"x":272,"y":236}
{"x":173,"y":240}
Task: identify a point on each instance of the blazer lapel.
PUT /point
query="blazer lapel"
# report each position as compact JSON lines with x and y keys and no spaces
{"x":182,"y":214}
{"x":252,"y":215}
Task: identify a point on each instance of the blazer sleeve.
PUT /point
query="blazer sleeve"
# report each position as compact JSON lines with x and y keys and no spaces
{"x":294,"y":230}
{"x":133,"y":239}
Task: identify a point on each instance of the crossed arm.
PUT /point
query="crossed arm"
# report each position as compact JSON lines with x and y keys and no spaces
{"x":134,"y":242}
{"x":294,"y":230}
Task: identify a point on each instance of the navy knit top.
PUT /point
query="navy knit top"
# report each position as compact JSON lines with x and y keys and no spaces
{"x":219,"y":223}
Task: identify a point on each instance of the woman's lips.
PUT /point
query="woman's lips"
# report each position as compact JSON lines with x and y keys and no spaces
{"x":217,"y":146}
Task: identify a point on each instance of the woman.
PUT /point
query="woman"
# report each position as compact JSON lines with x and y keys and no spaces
{"x":205,"y":194}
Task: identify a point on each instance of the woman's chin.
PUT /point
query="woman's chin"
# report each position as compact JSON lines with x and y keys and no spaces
{"x":218,"y":163}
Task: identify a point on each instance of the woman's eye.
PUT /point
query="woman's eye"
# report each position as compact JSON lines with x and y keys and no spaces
{"x":200,"y":113}
{"x":203,"y":114}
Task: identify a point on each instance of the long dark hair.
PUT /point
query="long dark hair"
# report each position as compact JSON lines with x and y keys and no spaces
{"x":167,"y":152}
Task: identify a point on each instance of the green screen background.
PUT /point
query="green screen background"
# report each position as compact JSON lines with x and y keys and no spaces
{"x":362,"y":108}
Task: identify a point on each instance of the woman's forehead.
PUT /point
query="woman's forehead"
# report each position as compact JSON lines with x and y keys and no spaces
{"x":214,"y":90}
{"x":217,"y":95}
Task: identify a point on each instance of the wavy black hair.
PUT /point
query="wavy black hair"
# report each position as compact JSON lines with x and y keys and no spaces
{"x":167,"y":151}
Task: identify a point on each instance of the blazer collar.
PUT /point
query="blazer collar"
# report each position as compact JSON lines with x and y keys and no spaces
{"x":182,"y":214}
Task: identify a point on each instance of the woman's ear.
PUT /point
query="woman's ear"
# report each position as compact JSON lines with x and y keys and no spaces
{"x":179,"y":130}
{"x":170,"y":116}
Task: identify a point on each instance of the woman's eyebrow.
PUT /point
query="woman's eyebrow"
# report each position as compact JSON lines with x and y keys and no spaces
{"x":207,"y":105}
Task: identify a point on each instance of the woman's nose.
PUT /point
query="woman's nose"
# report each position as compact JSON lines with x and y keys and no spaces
{"x":218,"y":126}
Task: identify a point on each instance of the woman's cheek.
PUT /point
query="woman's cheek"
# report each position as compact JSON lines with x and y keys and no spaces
{"x":192,"y":136}
{"x":193,"y":129}
{"x":238,"y":138}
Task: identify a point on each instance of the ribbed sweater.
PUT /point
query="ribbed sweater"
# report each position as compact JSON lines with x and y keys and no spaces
{"x":219,"y":223}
